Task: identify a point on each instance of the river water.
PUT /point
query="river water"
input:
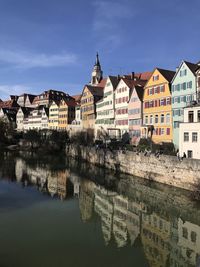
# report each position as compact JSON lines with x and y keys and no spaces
{"x":58,"y":212}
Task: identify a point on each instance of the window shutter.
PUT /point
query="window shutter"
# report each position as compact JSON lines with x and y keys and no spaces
{"x":147,"y":91}
{"x":164,"y":102}
{"x":158,"y":89}
{"x":155,"y":103}
{"x":152,"y":91}
{"x":159,"y":131}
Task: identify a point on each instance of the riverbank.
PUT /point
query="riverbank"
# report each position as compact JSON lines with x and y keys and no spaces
{"x":163,"y":169}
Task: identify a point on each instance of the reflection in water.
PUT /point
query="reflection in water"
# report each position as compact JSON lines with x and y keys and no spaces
{"x":161,"y":220}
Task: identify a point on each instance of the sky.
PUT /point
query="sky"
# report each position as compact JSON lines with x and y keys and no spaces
{"x":51,"y":44}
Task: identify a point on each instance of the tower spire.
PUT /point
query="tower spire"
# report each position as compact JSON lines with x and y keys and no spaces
{"x":97,"y":73}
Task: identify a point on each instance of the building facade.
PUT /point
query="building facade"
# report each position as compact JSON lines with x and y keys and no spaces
{"x":189,"y":132}
{"x":54,"y":116}
{"x":105,"y":109}
{"x":135,"y":114}
{"x":66,"y":113}
{"x":157,"y":108}
{"x":183,"y":93}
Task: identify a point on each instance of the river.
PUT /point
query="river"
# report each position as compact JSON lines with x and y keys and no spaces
{"x":55,"y":211}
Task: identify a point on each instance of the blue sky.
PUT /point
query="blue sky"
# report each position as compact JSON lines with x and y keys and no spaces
{"x":52,"y":43}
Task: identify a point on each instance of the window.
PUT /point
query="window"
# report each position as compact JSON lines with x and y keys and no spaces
{"x":185,"y":232}
{"x":183,"y":73}
{"x":193,"y":237}
{"x":198,"y":116}
{"x":194,"y":137}
{"x":151,"y":119}
{"x":189,"y":154}
{"x":155,"y":77}
{"x":191,"y":116}
{"x":151,"y":91}
{"x":162,"y":118}
{"x":162,"y":131}
{"x":186,"y":137}
{"x":162,"y":102}
{"x":188,"y":98}
{"x":162,"y":88}
{"x":176,"y":124}
{"x":156,"y":119}
{"x":189,"y":84}
{"x":146,"y":120}
{"x":168,"y":118}
{"x":168,"y":101}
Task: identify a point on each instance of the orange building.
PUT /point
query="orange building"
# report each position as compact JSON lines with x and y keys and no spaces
{"x":157,"y":109}
{"x":66,"y":113}
{"x":91,"y":94}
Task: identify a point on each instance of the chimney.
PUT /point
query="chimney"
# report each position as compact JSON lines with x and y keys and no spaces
{"x":118,"y":77}
{"x":132,"y":75}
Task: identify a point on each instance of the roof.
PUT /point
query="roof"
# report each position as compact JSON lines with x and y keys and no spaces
{"x":25,"y":110}
{"x":168,"y":74}
{"x":140,"y":91}
{"x":130,"y":82}
{"x":144,"y":75}
{"x":114,"y":80}
{"x":9,"y":104}
{"x":77,"y":98}
{"x":71,"y":103}
{"x":102,"y":83}
{"x":10,"y":114}
{"x":95,"y":90}
{"x":193,"y":67}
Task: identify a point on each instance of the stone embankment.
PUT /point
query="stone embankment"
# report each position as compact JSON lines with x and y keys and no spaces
{"x":163,"y":169}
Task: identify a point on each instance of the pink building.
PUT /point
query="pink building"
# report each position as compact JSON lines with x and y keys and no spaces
{"x":135,"y":113}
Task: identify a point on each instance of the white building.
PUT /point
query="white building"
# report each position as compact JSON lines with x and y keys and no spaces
{"x":122,"y":95}
{"x":105,"y":109}
{"x":37,"y":120}
{"x":189,"y":132}
{"x":22,"y":114}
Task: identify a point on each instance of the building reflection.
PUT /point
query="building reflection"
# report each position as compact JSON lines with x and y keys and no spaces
{"x":168,"y":234}
{"x":167,"y":241}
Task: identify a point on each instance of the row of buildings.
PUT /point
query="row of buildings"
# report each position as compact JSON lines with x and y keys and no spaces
{"x":162,"y":105}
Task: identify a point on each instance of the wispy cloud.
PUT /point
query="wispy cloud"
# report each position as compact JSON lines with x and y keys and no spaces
{"x":109,"y":13}
{"x":109,"y":18}
{"x":21,"y":59}
{"x":6,"y":90}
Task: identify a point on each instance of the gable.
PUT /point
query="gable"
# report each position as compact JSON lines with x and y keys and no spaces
{"x":182,"y":72}
{"x":156,"y":78}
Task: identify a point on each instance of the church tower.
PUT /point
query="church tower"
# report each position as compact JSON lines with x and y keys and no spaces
{"x":97,"y":73}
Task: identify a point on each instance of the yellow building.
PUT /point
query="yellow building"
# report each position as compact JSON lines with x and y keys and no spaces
{"x":90,"y":95}
{"x":157,"y":109}
{"x":66,"y":113}
{"x":53,"y":115}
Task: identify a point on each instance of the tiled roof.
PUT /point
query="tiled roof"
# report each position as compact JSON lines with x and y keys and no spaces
{"x":144,"y":75}
{"x":102,"y":83}
{"x":25,"y":110}
{"x":71,"y":103}
{"x":168,"y":74}
{"x":77,"y":97}
{"x":9,"y":104}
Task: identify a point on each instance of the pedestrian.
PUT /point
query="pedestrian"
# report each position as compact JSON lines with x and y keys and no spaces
{"x":178,"y":155}
{"x":184,"y":155}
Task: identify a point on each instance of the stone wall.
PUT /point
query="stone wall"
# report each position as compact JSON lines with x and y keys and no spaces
{"x":165,"y":169}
